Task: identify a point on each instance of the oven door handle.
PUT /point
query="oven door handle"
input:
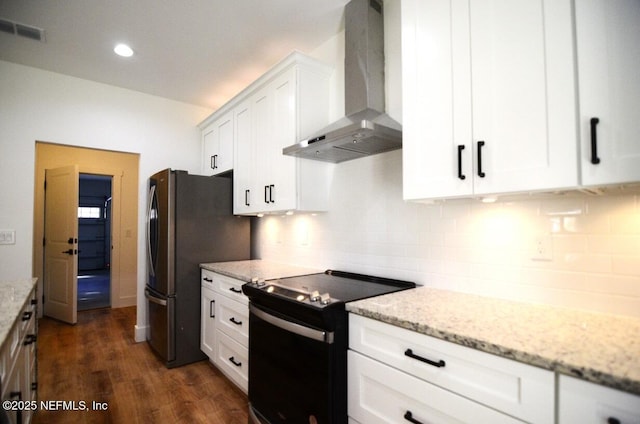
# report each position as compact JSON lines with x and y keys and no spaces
{"x":292,"y":327}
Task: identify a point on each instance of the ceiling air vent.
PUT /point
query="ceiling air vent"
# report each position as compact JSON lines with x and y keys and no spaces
{"x":22,"y":30}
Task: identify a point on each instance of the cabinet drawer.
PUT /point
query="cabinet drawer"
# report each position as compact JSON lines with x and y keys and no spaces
{"x":229,"y":287}
{"x":381,"y":394}
{"x":233,"y":319}
{"x":233,"y":360}
{"x":520,"y":390}
{"x":584,"y":402}
{"x":206,"y":278}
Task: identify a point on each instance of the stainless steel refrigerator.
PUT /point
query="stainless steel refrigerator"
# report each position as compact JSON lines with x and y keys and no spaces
{"x":189,"y":221}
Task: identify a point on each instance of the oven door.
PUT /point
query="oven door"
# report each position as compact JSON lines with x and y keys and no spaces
{"x":295,"y":371}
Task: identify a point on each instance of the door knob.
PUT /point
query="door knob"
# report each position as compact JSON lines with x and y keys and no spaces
{"x":70,"y":251}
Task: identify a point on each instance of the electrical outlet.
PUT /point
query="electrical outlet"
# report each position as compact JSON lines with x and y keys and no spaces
{"x":7,"y":236}
{"x":542,"y":248}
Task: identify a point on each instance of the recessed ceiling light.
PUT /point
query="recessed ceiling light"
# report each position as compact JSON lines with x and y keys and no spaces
{"x":123,"y":50}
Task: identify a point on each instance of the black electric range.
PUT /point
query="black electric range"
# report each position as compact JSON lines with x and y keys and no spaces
{"x":298,"y":337}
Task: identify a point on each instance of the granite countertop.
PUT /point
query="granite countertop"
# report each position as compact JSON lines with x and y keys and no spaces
{"x":257,"y":268}
{"x":603,"y":349}
{"x":13,"y":296}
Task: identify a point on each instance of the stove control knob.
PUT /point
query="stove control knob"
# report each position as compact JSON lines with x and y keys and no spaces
{"x":325,"y":299}
{"x":314,"y":296}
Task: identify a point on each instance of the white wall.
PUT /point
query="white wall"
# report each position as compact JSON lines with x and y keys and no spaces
{"x":45,"y":106}
{"x":462,"y":245}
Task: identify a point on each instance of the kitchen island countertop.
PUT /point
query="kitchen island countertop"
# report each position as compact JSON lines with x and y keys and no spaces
{"x":604,"y":349}
{"x":257,"y":268}
{"x":13,"y":296}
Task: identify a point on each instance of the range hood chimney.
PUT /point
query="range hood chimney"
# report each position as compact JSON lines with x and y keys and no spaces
{"x":366,"y":129}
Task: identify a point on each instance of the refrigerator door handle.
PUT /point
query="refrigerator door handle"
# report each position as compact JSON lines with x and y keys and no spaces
{"x":154,"y":299}
{"x":152,"y":193}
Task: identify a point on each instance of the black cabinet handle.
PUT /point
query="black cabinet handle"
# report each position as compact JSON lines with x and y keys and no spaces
{"x":208,"y":280}
{"x":460,"y":174}
{"x":480,"y":173}
{"x":613,"y":420}
{"x":246,"y":197}
{"x":212,"y":309}
{"x":19,"y":413}
{"x":410,"y":354}
{"x":594,"y":141}
{"x":235,"y":290}
{"x":26,"y":316}
{"x":409,"y":417}
{"x":233,"y":320}
{"x":234,"y":362}
{"x":31,"y":338}
{"x":266,"y":194}
{"x":271,"y":196}
{"x":214,"y":161}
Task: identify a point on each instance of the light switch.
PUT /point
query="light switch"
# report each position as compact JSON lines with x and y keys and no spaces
{"x":7,"y":236}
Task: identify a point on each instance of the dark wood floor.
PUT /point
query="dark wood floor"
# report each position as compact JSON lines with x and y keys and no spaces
{"x":97,"y":360}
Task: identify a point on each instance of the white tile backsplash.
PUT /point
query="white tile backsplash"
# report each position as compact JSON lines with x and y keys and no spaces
{"x":466,"y":245}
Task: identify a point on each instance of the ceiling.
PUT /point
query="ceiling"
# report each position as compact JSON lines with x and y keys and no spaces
{"x":201,"y":52}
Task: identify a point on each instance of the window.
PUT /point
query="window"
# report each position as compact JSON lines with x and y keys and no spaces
{"x":89,"y":212}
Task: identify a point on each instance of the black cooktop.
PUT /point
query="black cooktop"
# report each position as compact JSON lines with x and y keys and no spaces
{"x":331,"y":287}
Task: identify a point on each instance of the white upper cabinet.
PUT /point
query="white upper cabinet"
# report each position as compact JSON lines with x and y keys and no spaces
{"x":608,"y":41}
{"x":288,"y":103}
{"x":247,"y":134}
{"x":217,"y":145}
{"x":488,"y":97}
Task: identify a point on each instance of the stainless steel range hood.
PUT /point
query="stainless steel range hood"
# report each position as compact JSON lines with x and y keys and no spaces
{"x":367,"y":129}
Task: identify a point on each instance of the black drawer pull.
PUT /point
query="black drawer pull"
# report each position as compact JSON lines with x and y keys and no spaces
{"x":212,"y":309}
{"x":410,"y":354}
{"x":481,"y":174}
{"x":246,"y":198}
{"x":234,"y":362}
{"x":26,"y":316}
{"x":235,"y":290}
{"x":460,"y":174}
{"x":594,"y":141}
{"x":233,"y":320}
{"x":29,"y":339}
{"x":409,"y":417}
{"x":208,"y":280}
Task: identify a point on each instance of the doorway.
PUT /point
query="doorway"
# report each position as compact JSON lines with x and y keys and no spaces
{"x":122,"y":169}
{"x":94,"y":241}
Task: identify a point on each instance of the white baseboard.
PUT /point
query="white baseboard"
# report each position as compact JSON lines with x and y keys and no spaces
{"x":141,"y":333}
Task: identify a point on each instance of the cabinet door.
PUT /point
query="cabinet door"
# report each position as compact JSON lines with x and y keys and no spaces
{"x":583,"y":402}
{"x":208,"y":322}
{"x":209,"y":150}
{"x":245,"y":197}
{"x":224,"y":161}
{"x":382,"y":394}
{"x":218,"y":140}
{"x":523,"y":95}
{"x":499,"y":72}
{"x":608,"y":40}
{"x":261,"y":117}
{"x":436,"y":99}
{"x":283,"y":168}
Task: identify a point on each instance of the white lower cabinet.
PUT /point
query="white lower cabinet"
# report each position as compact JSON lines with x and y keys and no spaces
{"x":18,"y":363}
{"x":382,"y":394}
{"x":393,"y":371}
{"x":224,"y":334}
{"x":207,"y":321}
{"x":586,"y":403}
{"x":232,"y":359}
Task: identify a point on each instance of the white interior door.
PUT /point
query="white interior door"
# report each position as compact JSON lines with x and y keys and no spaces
{"x":61,"y":243}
